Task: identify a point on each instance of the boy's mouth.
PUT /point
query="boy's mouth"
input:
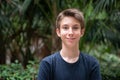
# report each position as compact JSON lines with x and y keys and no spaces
{"x":71,"y":39}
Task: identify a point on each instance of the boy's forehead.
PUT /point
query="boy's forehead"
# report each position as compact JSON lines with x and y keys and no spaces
{"x":69,"y":19}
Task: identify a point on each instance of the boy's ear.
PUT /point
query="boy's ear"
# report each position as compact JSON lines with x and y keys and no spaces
{"x":58,"y":32}
{"x":82,"y":32}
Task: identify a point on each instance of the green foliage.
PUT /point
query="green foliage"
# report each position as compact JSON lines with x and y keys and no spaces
{"x":15,"y":71}
{"x":22,"y":20}
{"x":109,"y":62}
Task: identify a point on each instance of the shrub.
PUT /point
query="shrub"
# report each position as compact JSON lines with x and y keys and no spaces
{"x":15,"y":71}
{"x":109,"y":62}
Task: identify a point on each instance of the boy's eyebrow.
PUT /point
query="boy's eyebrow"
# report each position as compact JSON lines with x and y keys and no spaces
{"x":65,"y":25}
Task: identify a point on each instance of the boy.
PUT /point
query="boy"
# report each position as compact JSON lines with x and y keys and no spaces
{"x":69,"y":63}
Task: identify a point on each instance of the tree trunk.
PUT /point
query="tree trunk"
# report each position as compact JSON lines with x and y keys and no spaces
{"x":56,"y":43}
{"x":2,"y":55}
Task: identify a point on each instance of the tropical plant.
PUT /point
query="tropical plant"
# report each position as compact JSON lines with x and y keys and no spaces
{"x":15,"y":71}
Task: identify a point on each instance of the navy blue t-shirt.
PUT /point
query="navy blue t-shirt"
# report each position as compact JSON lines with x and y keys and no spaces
{"x":54,"y":67}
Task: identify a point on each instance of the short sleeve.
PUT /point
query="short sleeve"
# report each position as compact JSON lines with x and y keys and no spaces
{"x":94,"y":70}
{"x":44,"y":70}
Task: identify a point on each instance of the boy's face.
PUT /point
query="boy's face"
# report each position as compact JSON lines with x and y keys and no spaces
{"x":70,"y":31}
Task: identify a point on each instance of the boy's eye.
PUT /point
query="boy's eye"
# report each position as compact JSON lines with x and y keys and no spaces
{"x":76,"y":27}
{"x":65,"y":27}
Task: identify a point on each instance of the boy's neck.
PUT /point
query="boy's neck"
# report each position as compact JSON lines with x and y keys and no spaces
{"x":70,"y":56}
{"x":70,"y":52}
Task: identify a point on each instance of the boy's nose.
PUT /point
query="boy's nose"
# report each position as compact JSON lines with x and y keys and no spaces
{"x":70,"y":31}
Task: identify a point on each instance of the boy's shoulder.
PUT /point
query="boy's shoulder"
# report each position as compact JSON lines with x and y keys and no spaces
{"x":50,"y":58}
{"x":89,"y":58}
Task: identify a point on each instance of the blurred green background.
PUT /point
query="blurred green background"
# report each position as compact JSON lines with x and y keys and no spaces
{"x":27,"y":34}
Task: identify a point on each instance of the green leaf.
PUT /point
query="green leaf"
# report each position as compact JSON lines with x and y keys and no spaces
{"x":102,"y":15}
{"x":25,"y":6}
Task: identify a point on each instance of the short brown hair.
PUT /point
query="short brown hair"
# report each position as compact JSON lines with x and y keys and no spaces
{"x":72,"y":13}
